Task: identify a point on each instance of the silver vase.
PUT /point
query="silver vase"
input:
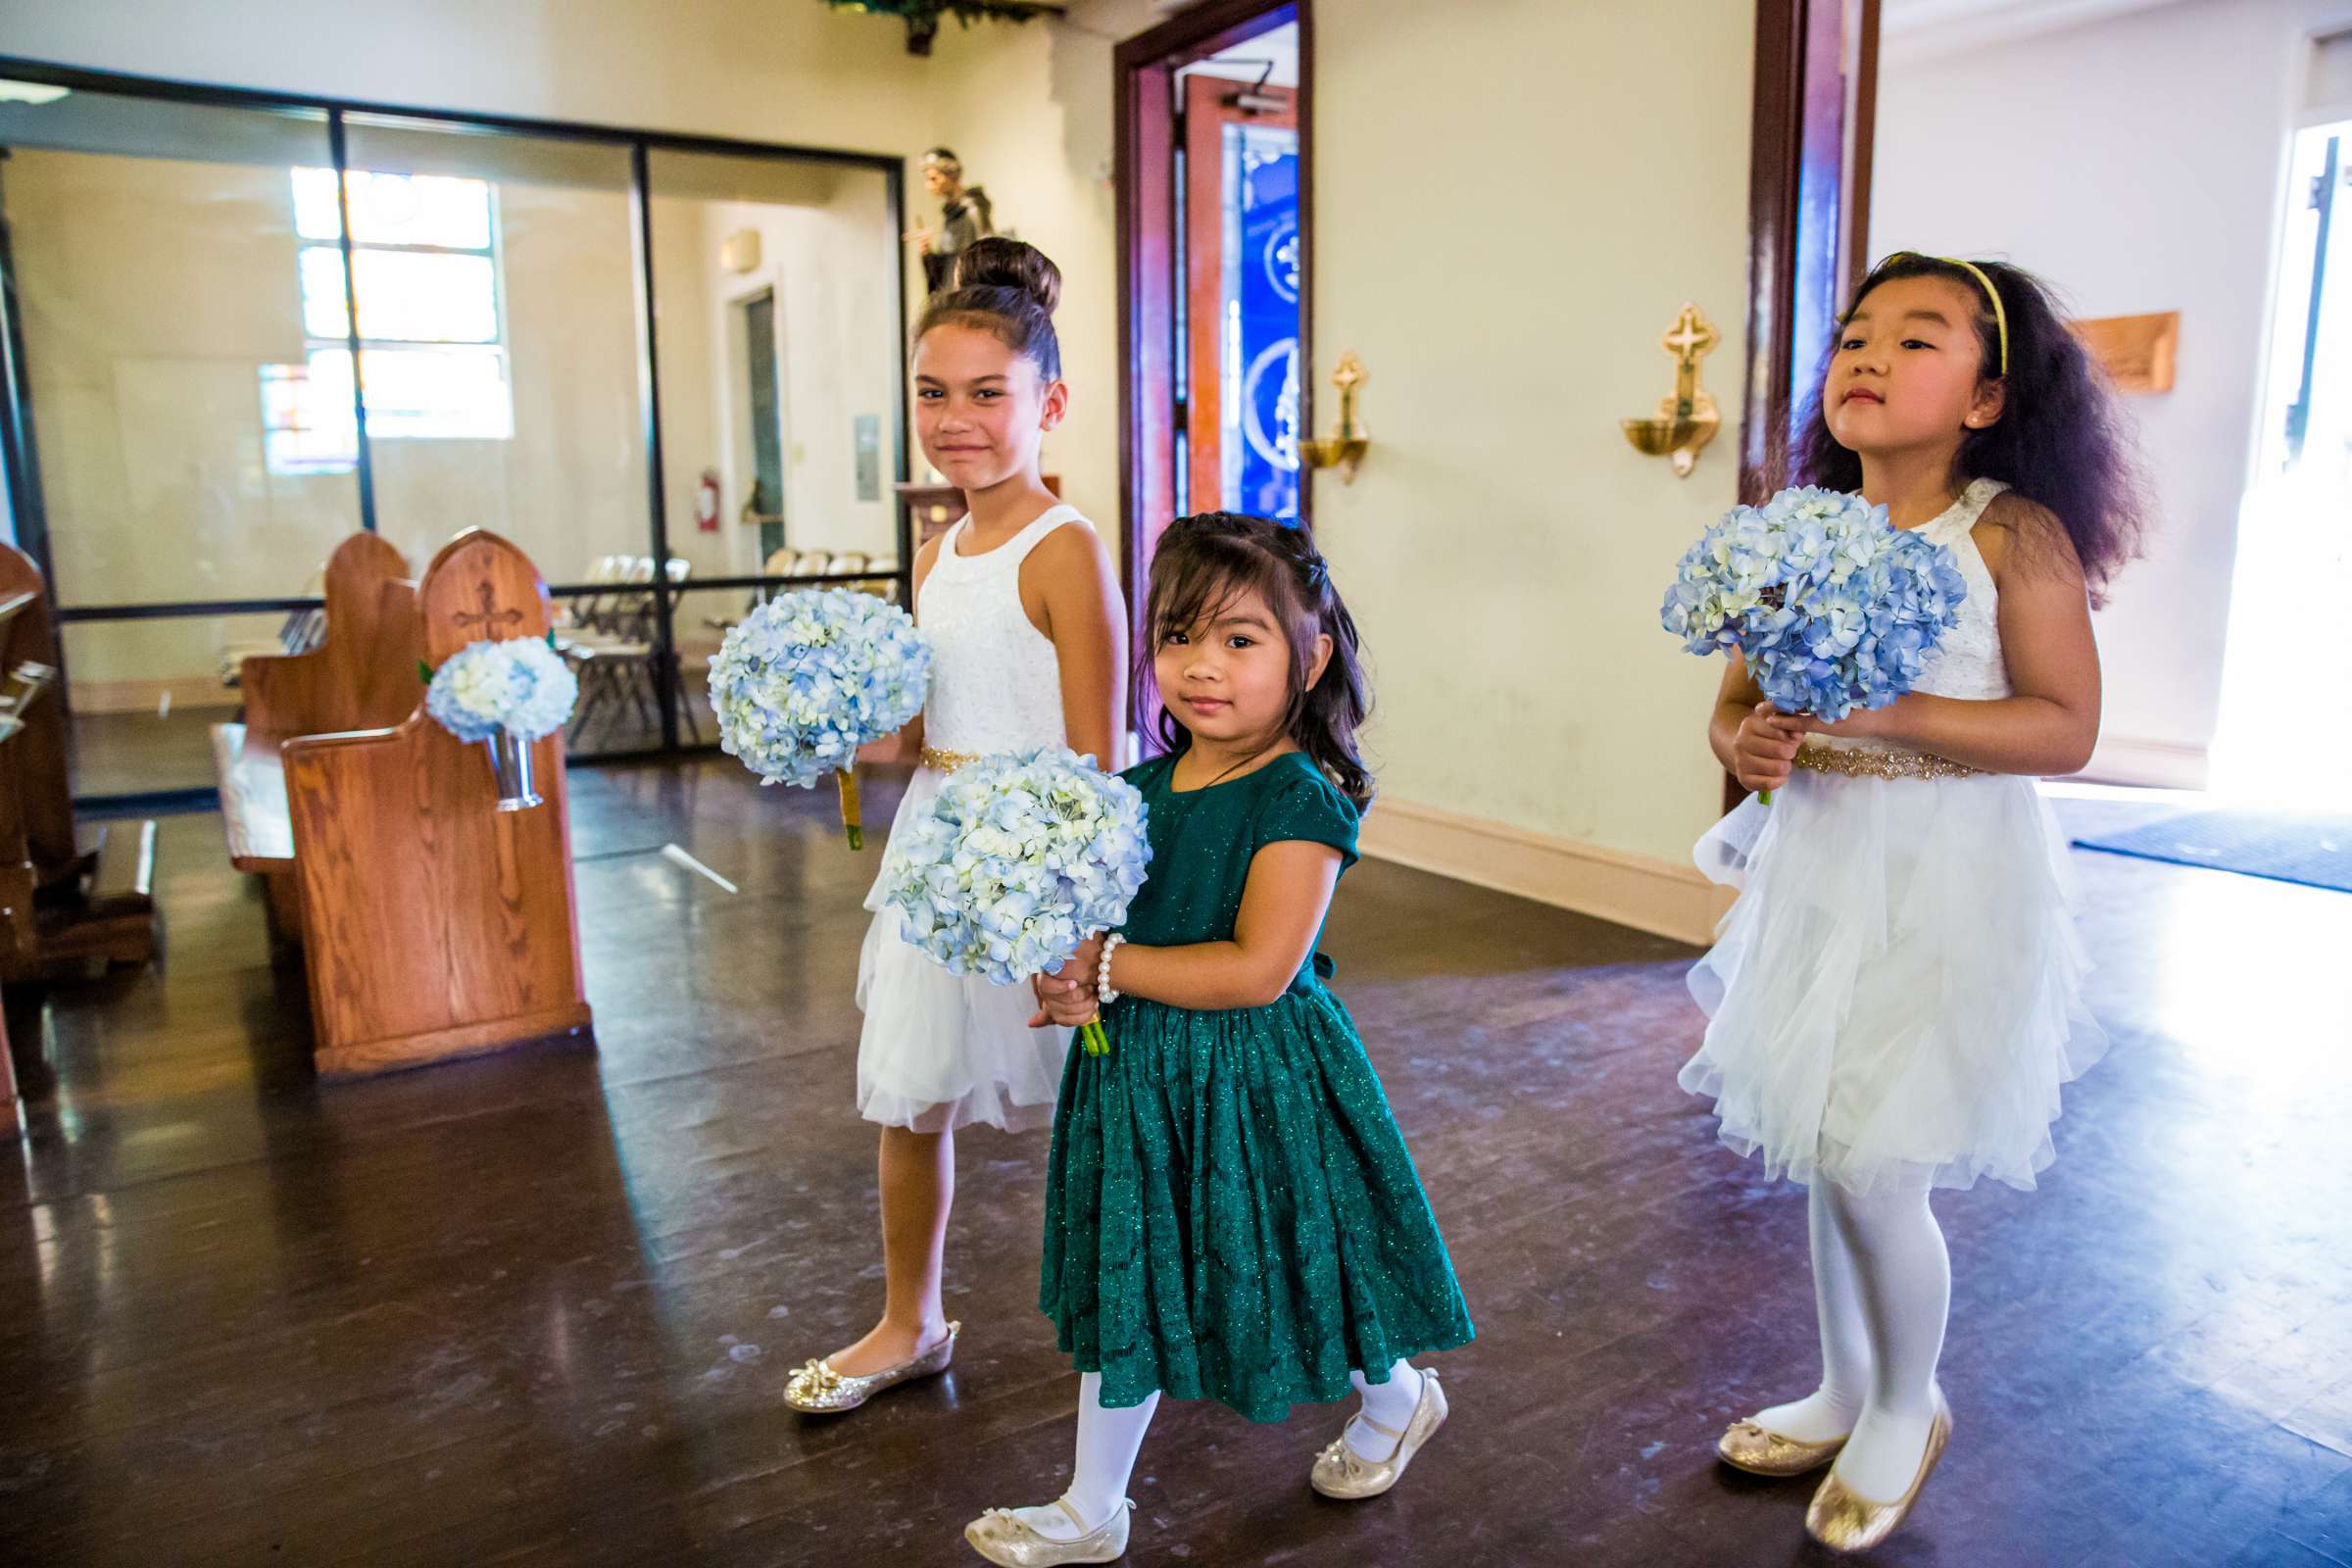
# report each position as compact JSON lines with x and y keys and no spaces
{"x":510,"y":769}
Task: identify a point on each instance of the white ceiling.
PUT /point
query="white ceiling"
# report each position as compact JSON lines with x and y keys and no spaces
{"x":1245,"y":61}
{"x":1916,"y":29}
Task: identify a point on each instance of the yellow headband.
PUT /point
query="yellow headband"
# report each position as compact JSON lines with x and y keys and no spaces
{"x":2001,"y":316}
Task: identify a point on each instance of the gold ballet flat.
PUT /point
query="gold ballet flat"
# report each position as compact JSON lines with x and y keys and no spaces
{"x":817,"y":1390}
{"x":1762,"y":1451}
{"x":1844,"y":1522}
{"x":999,"y":1536}
{"x":1341,"y":1472}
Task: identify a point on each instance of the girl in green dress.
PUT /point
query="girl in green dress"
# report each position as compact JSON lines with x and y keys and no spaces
{"x":1230,"y":1210}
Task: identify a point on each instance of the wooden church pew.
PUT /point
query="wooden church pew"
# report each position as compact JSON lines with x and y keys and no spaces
{"x":362,"y":675}
{"x":69,"y":897}
{"x":12,"y":1113}
{"x":435,"y":926}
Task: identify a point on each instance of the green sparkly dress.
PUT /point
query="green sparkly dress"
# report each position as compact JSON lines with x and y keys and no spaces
{"x":1230,"y":1210}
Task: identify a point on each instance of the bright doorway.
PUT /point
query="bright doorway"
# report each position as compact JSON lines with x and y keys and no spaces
{"x":2276,"y":740}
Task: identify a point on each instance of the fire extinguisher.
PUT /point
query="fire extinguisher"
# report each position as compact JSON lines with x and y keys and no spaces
{"x":706,"y":501}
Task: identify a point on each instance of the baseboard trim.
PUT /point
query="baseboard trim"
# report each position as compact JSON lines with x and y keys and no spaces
{"x":1631,"y":890}
{"x":2149,"y":764}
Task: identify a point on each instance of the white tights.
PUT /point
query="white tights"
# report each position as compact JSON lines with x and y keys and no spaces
{"x":1882,"y":1289}
{"x":1108,"y":1442}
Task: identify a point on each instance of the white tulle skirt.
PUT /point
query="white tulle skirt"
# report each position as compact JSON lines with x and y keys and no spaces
{"x":1897,"y":993}
{"x":941,"y":1051}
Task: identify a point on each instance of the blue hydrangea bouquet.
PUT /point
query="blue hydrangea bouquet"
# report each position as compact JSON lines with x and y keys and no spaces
{"x":809,"y":678}
{"x":505,"y":693}
{"x":1018,"y":861}
{"x":517,"y":685}
{"x":1830,"y":605}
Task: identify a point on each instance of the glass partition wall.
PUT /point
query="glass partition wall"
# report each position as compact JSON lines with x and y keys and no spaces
{"x":241,"y":327}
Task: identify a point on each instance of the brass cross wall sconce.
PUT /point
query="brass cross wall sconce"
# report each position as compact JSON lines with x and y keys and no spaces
{"x":1686,"y":419}
{"x":1345,"y":450}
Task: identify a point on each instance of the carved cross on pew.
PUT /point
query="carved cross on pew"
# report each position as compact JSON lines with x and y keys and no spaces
{"x":490,"y":616}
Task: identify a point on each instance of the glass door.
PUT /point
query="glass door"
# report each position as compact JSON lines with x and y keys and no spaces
{"x":498,"y":301}
{"x":777,"y":286}
{"x":240,"y":329}
{"x":194,"y":473}
{"x":1243,"y":259}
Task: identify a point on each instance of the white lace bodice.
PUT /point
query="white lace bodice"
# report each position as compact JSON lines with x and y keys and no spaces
{"x":996,"y":681}
{"x":1969,"y":664}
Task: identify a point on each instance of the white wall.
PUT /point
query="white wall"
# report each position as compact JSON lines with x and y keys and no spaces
{"x":2135,"y":163}
{"x":828,"y":317}
{"x":1504,"y":549}
{"x":826,"y":243}
{"x":760,"y":70}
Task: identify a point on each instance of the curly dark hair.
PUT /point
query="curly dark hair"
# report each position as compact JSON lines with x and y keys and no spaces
{"x":2061,"y":440}
{"x":1205,"y":560}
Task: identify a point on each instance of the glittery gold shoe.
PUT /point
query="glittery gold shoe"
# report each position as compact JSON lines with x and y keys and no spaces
{"x":999,"y":1536}
{"x":1762,"y":1451}
{"x":817,"y":1390}
{"x":1341,"y":1472}
{"x":1844,"y":1522}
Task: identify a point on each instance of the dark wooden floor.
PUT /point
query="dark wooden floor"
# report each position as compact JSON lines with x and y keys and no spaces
{"x":538,"y":1309}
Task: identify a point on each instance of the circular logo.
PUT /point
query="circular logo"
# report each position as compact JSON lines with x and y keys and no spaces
{"x":1280,"y":258}
{"x":1268,"y":399}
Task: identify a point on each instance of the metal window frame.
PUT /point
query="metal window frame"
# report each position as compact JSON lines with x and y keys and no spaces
{"x":17,"y":413}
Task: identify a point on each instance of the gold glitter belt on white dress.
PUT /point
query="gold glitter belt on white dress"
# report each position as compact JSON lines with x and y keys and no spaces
{"x":948,"y":762}
{"x":1856,"y":762}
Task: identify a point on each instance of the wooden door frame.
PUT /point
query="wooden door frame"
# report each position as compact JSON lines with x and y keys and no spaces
{"x":1203,"y":184}
{"x":1815,"y":116}
{"x":1144,"y":163}
{"x":1814,"y":120}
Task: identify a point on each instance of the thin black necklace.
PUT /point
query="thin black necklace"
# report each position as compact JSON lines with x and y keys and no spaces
{"x":1251,"y":758}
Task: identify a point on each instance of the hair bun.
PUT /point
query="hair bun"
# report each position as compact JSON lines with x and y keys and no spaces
{"x":996,"y":262}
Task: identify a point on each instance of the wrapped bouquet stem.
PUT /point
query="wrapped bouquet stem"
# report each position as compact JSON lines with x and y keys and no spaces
{"x":852,"y":820}
{"x":1831,"y":606}
{"x":808,"y":678}
{"x":1019,"y":860}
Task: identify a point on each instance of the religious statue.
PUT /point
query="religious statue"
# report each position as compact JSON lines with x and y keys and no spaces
{"x":964,"y":216}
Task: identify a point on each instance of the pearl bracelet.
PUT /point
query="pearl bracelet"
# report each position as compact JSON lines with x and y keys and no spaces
{"x":1104,"y":995}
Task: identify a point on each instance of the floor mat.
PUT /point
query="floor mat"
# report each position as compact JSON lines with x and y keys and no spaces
{"x":2311,"y":848}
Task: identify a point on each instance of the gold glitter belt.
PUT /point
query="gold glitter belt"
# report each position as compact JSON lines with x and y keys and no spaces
{"x":1856,"y":763}
{"x":948,"y":762}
